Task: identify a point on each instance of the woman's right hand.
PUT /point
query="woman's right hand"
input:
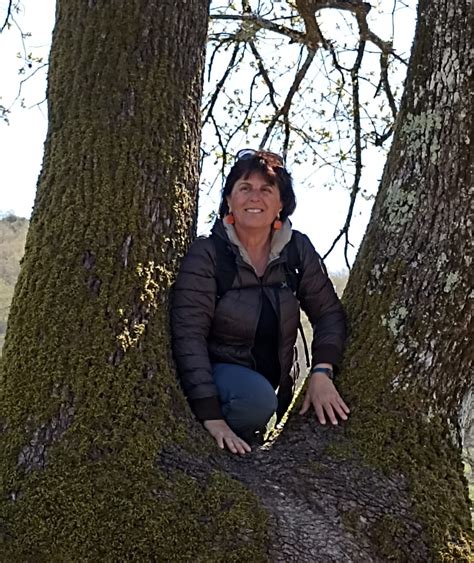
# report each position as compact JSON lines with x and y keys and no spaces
{"x":224,"y":436}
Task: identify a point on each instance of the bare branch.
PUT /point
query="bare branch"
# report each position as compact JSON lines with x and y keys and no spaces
{"x":292,"y":91}
{"x":313,"y":32}
{"x":350,"y":5}
{"x":250,"y":106}
{"x":221,"y":143}
{"x":358,"y":154}
{"x":22,"y":82}
{"x":7,"y":17}
{"x":219,"y":44}
{"x":221,"y":82}
{"x":386,"y":84}
{"x":261,"y":23}
{"x":264,"y":73}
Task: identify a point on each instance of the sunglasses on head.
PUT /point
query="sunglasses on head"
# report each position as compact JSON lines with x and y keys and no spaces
{"x":246,"y":154}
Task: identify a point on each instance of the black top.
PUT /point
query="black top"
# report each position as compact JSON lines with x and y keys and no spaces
{"x":265,"y":349}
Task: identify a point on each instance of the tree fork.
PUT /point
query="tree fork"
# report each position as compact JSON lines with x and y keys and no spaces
{"x":100,"y":456}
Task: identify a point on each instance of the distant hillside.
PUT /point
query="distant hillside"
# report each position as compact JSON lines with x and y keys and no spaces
{"x":12,"y":242}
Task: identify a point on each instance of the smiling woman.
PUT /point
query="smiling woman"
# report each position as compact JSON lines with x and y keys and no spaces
{"x":254,"y":204}
{"x":235,"y":310}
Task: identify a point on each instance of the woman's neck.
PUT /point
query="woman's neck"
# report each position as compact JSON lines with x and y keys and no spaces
{"x":257,"y":241}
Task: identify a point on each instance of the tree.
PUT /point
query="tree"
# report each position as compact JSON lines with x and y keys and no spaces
{"x":101,"y":458}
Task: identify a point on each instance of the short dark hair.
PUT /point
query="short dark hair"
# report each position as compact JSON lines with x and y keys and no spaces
{"x":270,"y":167}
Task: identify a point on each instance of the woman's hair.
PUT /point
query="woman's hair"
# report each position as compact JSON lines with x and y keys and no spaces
{"x":271,"y":167}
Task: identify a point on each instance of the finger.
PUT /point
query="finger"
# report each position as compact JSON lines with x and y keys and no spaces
{"x":230,"y":444}
{"x":237,"y":445}
{"x":320,"y":413}
{"x":246,"y":447}
{"x":339,"y":410}
{"x":306,"y":404}
{"x":220,"y":441}
{"x":242,"y":447}
{"x":344,"y":406}
{"x":330,"y":413}
{"x":238,"y":449}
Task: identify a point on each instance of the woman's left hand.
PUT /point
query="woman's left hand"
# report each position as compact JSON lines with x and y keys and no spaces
{"x":325,"y":399}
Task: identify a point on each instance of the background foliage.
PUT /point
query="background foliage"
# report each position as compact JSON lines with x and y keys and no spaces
{"x":12,"y":242}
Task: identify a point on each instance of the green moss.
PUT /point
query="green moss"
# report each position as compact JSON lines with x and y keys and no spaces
{"x":337,"y":451}
{"x":351,"y":520}
{"x":389,"y":428}
{"x":123,"y":513}
{"x":382,"y":533}
{"x":88,"y":390}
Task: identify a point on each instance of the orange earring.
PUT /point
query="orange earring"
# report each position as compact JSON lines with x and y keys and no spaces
{"x":229,"y":218}
{"x":277,"y":224}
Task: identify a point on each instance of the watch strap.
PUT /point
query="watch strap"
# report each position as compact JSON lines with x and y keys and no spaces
{"x":327,"y":371}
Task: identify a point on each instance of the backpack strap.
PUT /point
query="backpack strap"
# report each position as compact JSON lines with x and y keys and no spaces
{"x":293,"y":265}
{"x":226,"y":267}
{"x":294,"y":275}
{"x":226,"y":270}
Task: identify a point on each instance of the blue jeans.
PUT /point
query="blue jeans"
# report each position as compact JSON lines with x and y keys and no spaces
{"x":247,"y":398}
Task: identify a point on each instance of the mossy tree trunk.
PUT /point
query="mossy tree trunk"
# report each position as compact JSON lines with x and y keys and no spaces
{"x":88,"y":394}
{"x":409,"y":297}
{"x":100,"y":457}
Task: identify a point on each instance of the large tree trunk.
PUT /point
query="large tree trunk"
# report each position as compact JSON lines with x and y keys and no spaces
{"x":87,"y":388}
{"x":101,"y":459}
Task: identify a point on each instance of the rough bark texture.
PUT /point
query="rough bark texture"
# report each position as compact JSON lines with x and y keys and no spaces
{"x":409,"y":296}
{"x":88,"y":393}
{"x":100,"y":457}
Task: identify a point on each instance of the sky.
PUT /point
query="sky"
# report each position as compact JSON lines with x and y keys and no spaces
{"x":320,"y":212}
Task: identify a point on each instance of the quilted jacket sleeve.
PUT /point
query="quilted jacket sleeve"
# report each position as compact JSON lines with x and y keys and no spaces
{"x":319,"y":301}
{"x":192,"y":309}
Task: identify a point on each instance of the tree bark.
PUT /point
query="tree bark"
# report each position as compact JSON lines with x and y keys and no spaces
{"x":101,"y":459}
{"x":409,"y":297}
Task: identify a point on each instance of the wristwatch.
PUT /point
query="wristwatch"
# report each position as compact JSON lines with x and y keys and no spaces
{"x":326,"y":371}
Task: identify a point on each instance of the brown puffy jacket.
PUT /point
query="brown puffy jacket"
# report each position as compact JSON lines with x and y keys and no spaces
{"x":206,"y":330}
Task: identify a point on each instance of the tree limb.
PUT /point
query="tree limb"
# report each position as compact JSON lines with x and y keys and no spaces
{"x":221,"y":82}
{"x":264,"y":73}
{"x":9,"y":13}
{"x":295,"y":35}
{"x":292,"y":91}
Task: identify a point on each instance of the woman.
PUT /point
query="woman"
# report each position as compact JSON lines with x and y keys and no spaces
{"x":234,"y":350}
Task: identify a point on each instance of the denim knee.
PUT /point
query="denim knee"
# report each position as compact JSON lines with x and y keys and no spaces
{"x":248,"y":399}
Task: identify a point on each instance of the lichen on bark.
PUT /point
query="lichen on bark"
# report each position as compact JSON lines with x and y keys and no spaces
{"x":406,"y":297}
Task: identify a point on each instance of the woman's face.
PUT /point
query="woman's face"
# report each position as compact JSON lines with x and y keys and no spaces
{"x":254,"y":202}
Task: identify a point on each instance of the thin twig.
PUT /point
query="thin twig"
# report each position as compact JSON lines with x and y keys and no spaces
{"x":386,"y":84}
{"x":9,"y":13}
{"x":358,"y":155}
{"x":292,"y":91}
{"x":264,"y":73}
{"x":23,"y":82}
{"x":221,"y":82}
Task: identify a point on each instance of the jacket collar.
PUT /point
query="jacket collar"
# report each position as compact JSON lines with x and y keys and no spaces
{"x":279,"y":239}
